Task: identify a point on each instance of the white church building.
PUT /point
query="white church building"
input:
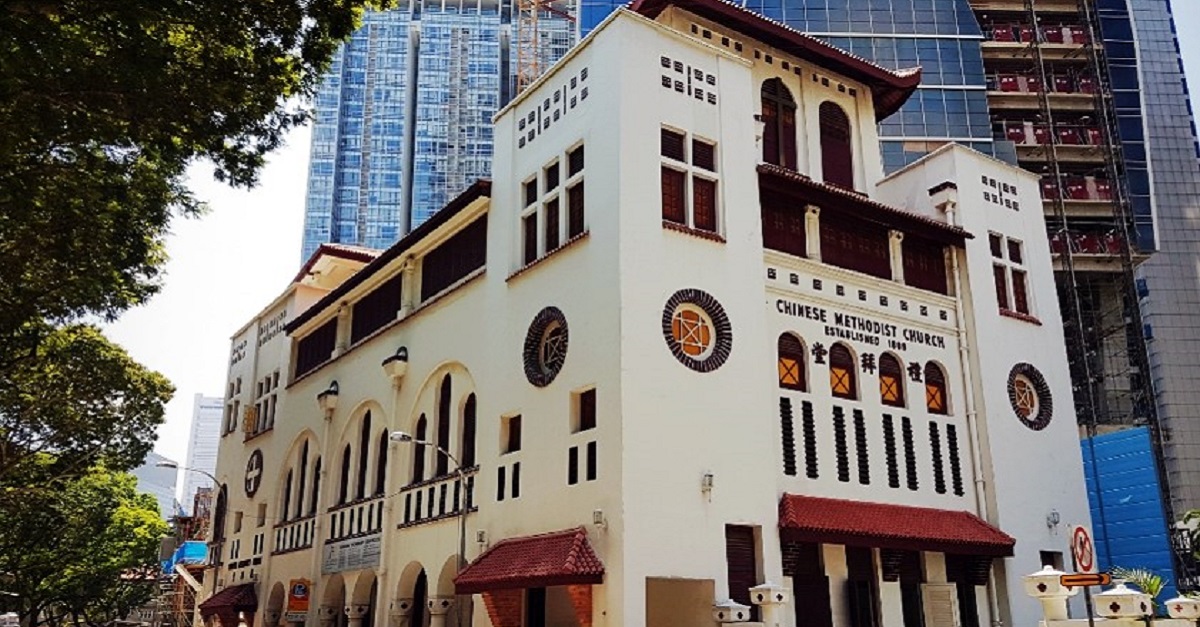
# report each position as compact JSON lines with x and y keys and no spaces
{"x":693,"y":359}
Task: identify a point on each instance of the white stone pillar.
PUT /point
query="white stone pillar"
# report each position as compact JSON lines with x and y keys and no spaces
{"x":771,"y":600}
{"x":355,"y":614}
{"x":407,"y":288}
{"x":896,"y":254}
{"x":327,"y":615}
{"x":438,"y":607}
{"x":400,"y":612}
{"x":343,"y":331}
{"x":812,"y":232}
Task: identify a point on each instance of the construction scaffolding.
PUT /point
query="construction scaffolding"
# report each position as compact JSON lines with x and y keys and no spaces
{"x":541,"y":36}
{"x":1050,"y":95}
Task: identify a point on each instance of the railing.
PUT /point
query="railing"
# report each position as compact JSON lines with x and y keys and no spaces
{"x":1024,"y":133}
{"x":1077,"y":188}
{"x":1070,"y":34}
{"x":1069,"y":83}
{"x":359,"y":518}
{"x":1110,"y":243}
{"x":294,"y":535}
{"x":437,"y":498}
{"x":215,"y":551}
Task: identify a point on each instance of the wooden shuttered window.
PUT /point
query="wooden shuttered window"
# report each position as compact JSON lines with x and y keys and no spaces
{"x":530,"y":230}
{"x":672,"y":145}
{"x":455,"y":258}
{"x":442,"y":463}
{"x":891,"y":381}
{"x":704,"y":204}
{"x":418,"y":467}
{"x":551,"y":225}
{"x":925,"y":264}
{"x":575,"y":161}
{"x":575,"y":212}
{"x":791,"y":364}
{"x":854,"y":244}
{"x":364,"y":445}
{"x":783,"y":227}
{"x":316,"y":348}
{"x":741,"y":560}
{"x":467,"y":456}
{"x":674,"y":201}
{"x":587,"y":410}
{"x":1000,"y":276}
{"x":837,"y":152}
{"x":1020,"y":298}
{"x":375,"y":310}
{"x":704,"y":155}
{"x":779,"y":124}
{"x":842,"y":375}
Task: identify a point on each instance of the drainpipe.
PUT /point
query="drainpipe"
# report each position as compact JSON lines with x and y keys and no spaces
{"x":964,"y":355}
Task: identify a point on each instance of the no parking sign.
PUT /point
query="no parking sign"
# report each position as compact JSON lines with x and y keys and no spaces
{"x":1083,"y":549}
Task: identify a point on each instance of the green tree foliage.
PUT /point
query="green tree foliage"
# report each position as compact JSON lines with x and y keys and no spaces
{"x":81,"y":399}
{"x":103,"y":105}
{"x":81,"y":550}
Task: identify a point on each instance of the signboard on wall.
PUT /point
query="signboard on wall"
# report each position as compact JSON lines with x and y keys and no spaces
{"x":352,"y":554}
{"x":299,"y":591}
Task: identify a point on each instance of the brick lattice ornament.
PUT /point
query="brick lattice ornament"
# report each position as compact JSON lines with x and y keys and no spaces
{"x":1029,"y":395}
{"x":702,"y":345}
{"x":545,"y":346}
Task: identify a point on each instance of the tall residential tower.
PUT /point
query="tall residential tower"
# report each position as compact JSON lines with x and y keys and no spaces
{"x":202,"y":447}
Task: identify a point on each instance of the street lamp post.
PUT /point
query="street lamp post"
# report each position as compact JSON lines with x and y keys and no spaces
{"x":166,"y":463}
{"x":400,"y":436}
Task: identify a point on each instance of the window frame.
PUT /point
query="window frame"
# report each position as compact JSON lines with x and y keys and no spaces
{"x":944,"y":410}
{"x":851,"y":373}
{"x":557,"y":199}
{"x":690,"y":173}
{"x":800,"y":360}
{"x":1010,"y":278}
{"x":897,"y":376}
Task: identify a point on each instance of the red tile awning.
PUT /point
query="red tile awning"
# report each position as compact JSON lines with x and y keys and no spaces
{"x":858,"y":523}
{"x":559,"y":558}
{"x":239,"y":598}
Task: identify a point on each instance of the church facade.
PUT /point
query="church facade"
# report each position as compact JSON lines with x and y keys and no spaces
{"x":688,"y":358}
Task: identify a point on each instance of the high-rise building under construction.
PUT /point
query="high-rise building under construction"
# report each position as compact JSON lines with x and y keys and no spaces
{"x":403,"y":119}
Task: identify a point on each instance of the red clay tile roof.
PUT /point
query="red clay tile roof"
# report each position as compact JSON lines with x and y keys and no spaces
{"x":240,"y":598}
{"x":889,"y":88}
{"x":833,"y":198}
{"x":859,"y":523}
{"x":558,"y":558}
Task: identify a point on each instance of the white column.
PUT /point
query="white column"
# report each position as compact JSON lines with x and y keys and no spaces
{"x":438,"y":606}
{"x":812,"y":231}
{"x":407,"y":288}
{"x":401,"y":612}
{"x":327,"y":615}
{"x":896,"y":254}
{"x":355,"y":614}
{"x":343,"y":331}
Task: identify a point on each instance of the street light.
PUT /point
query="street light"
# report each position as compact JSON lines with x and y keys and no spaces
{"x":166,"y":463}
{"x":400,"y":436}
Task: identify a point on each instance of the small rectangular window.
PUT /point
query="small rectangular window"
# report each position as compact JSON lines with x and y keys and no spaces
{"x":513,"y":440}
{"x":704,"y":204}
{"x":999,"y":273}
{"x":587,"y":410}
{"x":501,"y":483}
{"x":531,"y":233}
{"x":1014,"y":252}
{"x":575,"y":212}
{"x":591,"y":461}
{"x":575,"y":161}
{"x":531,"y":192}
{"x":551,"y":225}
{"x":573,"y":465}
{"x":673,"y":199}
{"x":704,"y":155}
{"x":672,"y":145}
{"x":516,"y":480}
{"x":552,"y":177}
{"x":237,"y":522}
{"x":1020,"y":299}
{"x":997,"y":245}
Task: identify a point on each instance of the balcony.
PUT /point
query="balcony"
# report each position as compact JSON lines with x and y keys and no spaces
{"x":1018,"y":6}
{"x":1073,"y":143}
{"x":358,"y":518}
{"x":1069,"y":91}
{"x":1082,"y":197}
{"x":437,"y":499}
{"x":1014,"y":41}
{"x":294,"y":535}
{"x":1091,"y":251}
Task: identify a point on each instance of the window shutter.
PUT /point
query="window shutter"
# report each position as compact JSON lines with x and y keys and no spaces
{"x":672,"y":145}
{"x":673,"y":200}
{"x":1000,"y":276}
{"x":575,"y":209}
{"x":742,"y":563}
{"x":940,"y":602}
{"x":704,"y":155}
{"x":837,"y":154}
{"x":704,"y":204}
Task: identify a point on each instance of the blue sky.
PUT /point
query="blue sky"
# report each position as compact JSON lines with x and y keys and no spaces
{"x":227,"y":265}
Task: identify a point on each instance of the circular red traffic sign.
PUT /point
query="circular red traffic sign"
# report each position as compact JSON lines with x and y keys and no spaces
{"x":1085,"y":552}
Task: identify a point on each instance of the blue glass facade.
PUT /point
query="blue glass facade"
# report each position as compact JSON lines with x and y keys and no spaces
{"x":403,"y":118}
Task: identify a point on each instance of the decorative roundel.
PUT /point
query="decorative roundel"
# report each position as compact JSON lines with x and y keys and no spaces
{"x":697,"y":330}
{"x":254,"y":472}
{"x":545,"y":346}
{"x":1030,"y":396}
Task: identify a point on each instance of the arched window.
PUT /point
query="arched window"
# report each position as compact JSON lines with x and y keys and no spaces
{"x":364,"y":447}
{"x":467,"y":453}
{"x":344,"y":488}
{"x":418,"y":467}
{"x":219,"y":513}
{"x":936,"y":400}
{"x":837,"y":153}
{"x":791,"y":363}
{"x":841,"y":372}
{"x":303,"y":483}
{"x":779,"y":124}
{"x":891,"y":381}
{"x":286,"y":506}
{"x":381,"y":462}
{"x":443,"y":427}
{"x":316,"y":489}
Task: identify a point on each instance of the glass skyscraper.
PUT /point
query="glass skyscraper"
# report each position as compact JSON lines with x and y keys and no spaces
{"x":403,"y":119}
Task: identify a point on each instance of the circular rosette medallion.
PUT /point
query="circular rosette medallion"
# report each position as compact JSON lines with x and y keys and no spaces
{"x":545,"y":346}
{"x":1030,"y":397}
{"x":254,"y":472}
{"x":697,"y":330}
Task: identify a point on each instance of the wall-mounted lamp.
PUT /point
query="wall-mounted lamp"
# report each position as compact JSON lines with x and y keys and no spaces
{"x":760,"y":126}
{"x":706,"y":482}
{"x":481,"y":536}
{"x":598,"y":518}
{"x":327,"y":400}
{"x":396,"y":365}
{"x":1053,"y":518}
